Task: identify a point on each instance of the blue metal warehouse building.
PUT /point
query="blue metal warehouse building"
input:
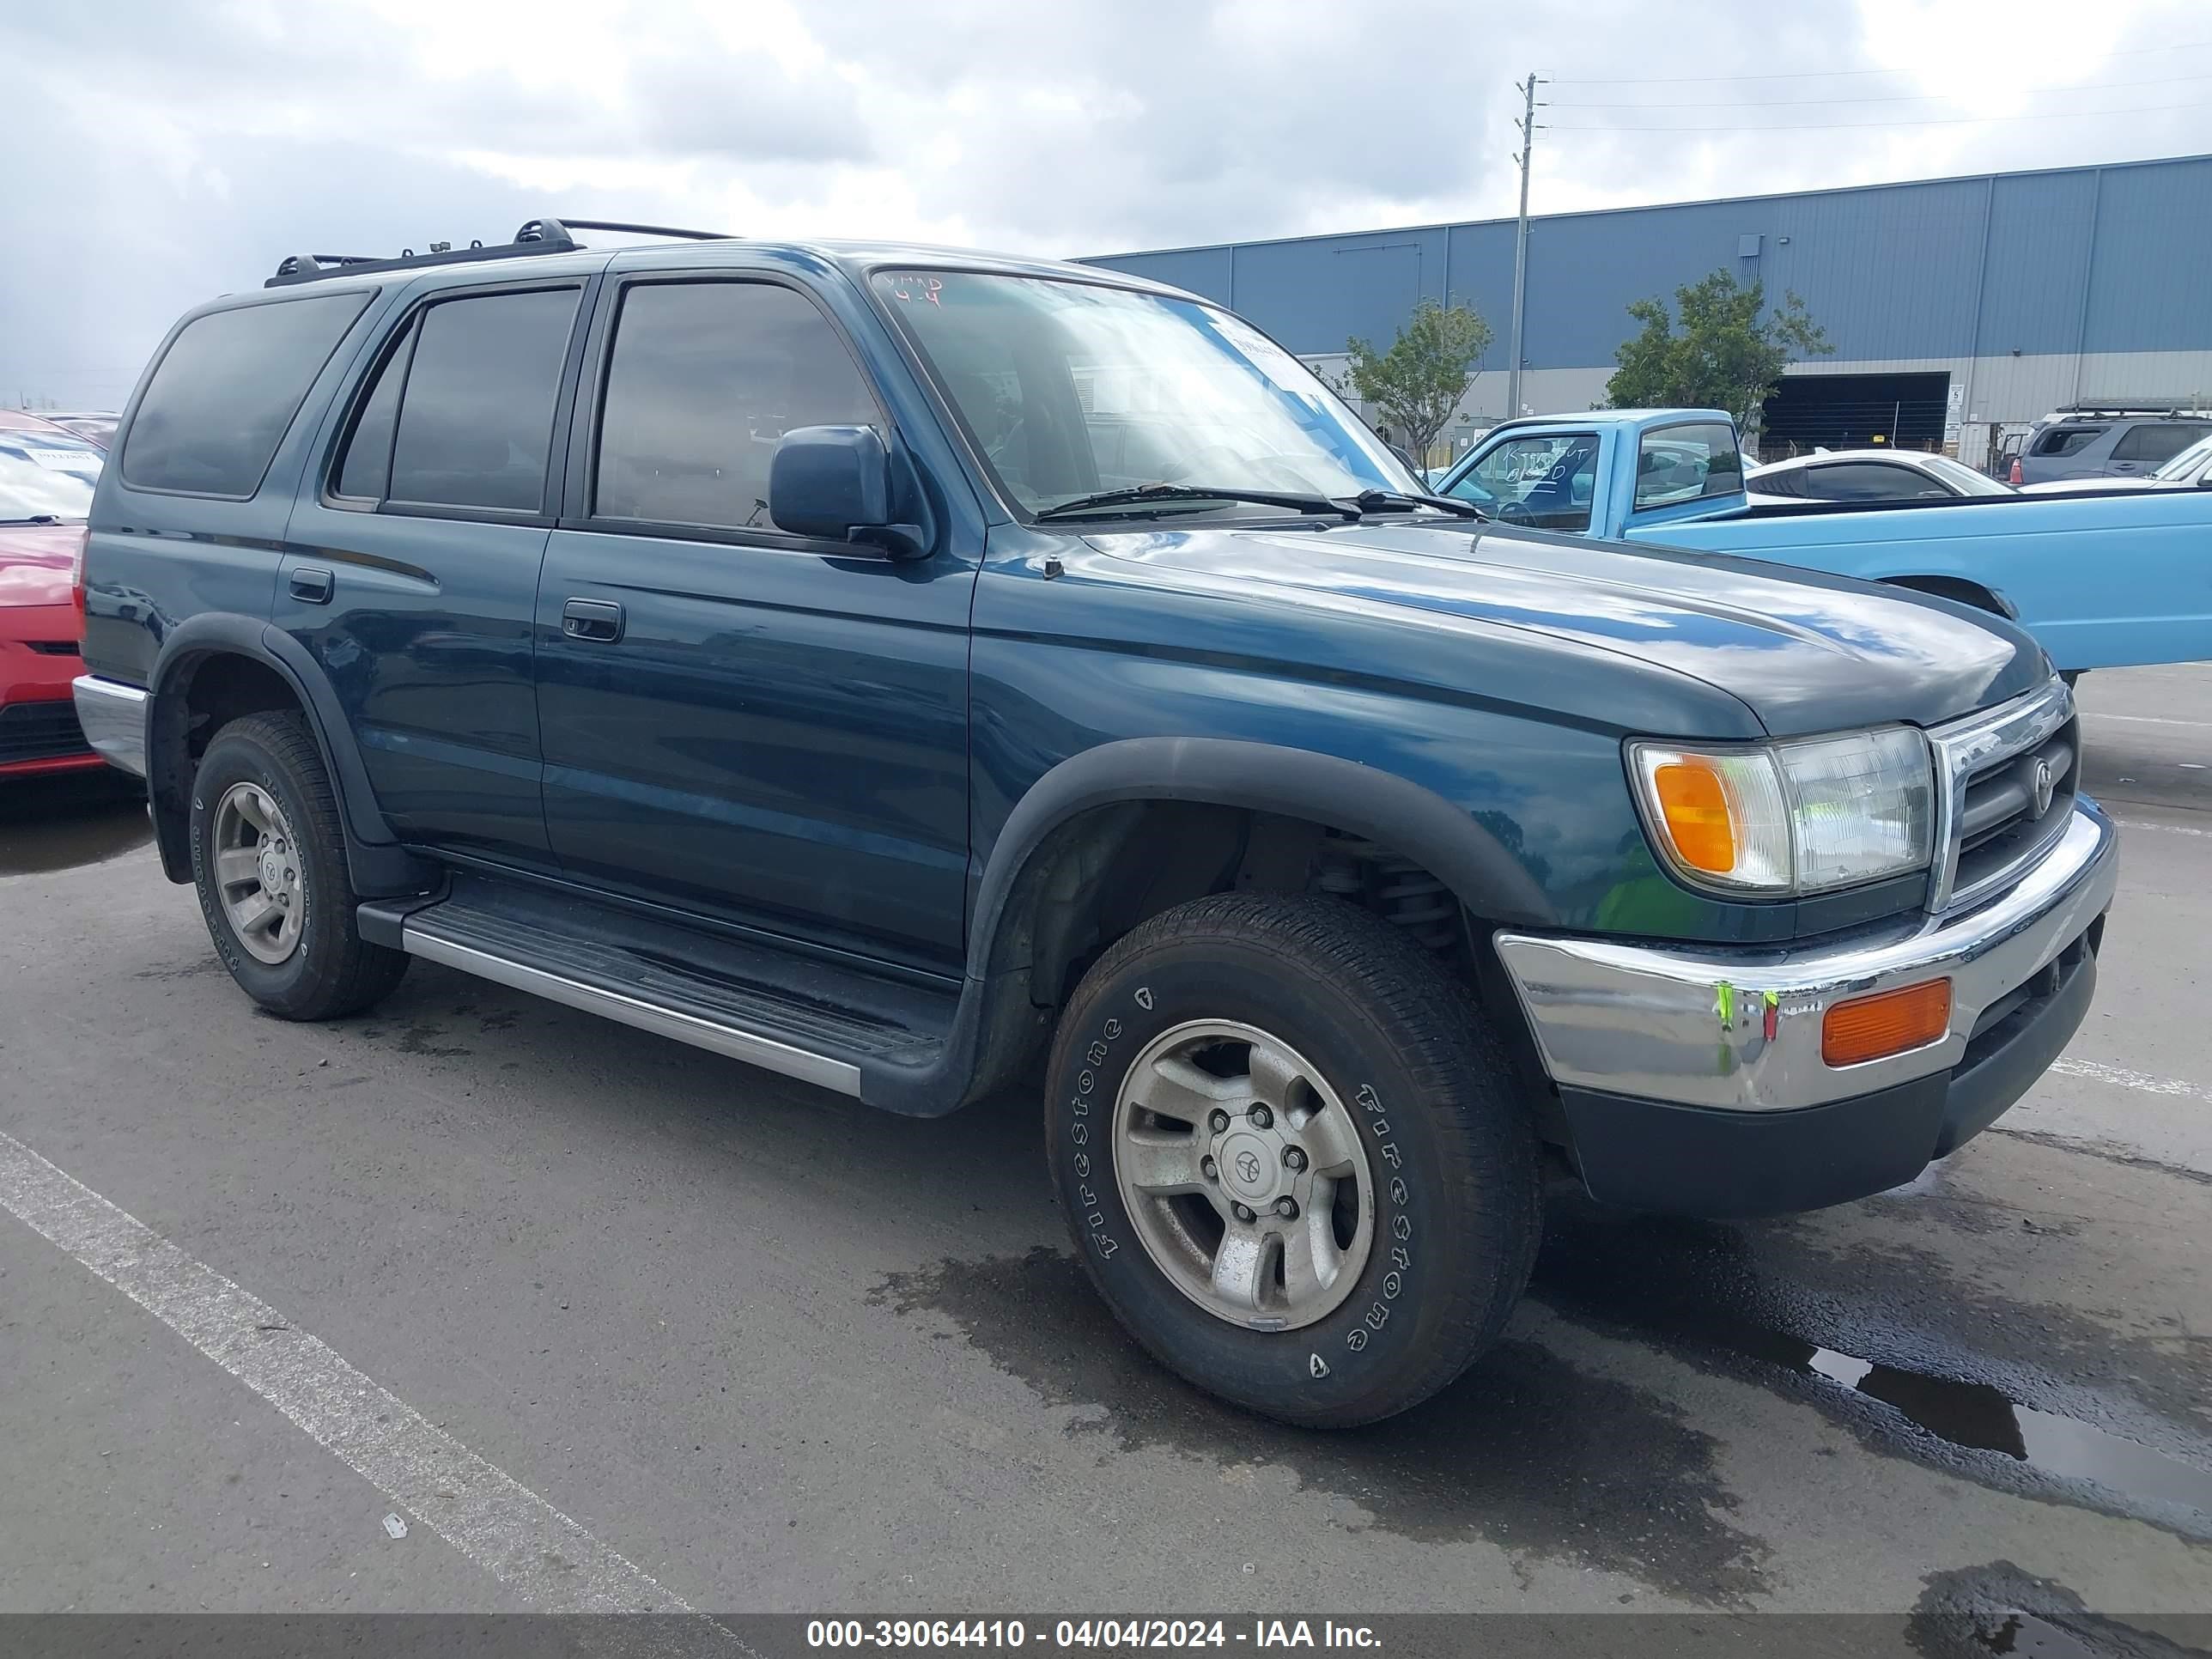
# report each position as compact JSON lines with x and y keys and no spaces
{"x":1958,"y":307}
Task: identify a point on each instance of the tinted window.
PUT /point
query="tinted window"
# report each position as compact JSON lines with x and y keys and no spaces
{"x":229,"y":385}
{"x":2066,"y":439}
{"x":1545,"y":481}
{"x":1684,"y":463}
{"x":2154,"y":444}
{"x":1870,"y":481}
{"x":476,"y":418}
{"x":1789,"y":481}
{"x":368,"y":461}
{"x":705,"y":378}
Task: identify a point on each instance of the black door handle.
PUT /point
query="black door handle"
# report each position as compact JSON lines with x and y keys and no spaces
{"x":596,"y":620}
{"x":310,"y":584}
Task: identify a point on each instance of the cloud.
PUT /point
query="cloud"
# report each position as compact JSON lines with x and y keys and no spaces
{"x":164,"y":150}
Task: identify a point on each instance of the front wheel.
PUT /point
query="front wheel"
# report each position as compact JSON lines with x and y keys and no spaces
{"x":1291,"y":1159}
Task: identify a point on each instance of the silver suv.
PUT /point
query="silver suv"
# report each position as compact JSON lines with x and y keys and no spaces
{"x":2119,"y":444}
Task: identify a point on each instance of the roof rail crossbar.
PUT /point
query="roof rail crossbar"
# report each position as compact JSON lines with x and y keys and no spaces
{"x":641,"y":230}
{"x":535,"y":237}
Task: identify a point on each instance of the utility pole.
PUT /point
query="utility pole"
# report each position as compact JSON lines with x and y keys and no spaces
{"x":1528,"y":125}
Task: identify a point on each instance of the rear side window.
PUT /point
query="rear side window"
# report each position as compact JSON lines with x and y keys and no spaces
{"x":704,"y":378}
{"x":1685,"y":463}
{"x":475,"y":408}
{"x":227,"y":389}
{"x":1790,"y":482}
{"x":2154,"y":444}
{"x":2066,"y":439}
{"x":1870,"y":480}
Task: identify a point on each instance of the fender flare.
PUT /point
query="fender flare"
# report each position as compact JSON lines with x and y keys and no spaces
{"x":1415,"y":822}
{"x":377,"y":865}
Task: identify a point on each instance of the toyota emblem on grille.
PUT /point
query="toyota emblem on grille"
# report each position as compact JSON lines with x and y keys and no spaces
{"x":2043,"y":785}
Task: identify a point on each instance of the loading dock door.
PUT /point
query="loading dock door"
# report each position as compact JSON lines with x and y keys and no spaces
{"x":1850,"y":411}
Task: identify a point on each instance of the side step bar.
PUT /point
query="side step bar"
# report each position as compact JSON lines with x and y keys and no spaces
{"x":753,"y":1049}
{"x":824,"y":1021}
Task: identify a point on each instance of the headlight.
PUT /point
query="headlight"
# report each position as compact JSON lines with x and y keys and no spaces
{"x":1801,"y":816}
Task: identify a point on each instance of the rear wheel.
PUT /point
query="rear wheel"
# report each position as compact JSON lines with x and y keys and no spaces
{"x":1290,"y":1157}
{"x":269,"y":864}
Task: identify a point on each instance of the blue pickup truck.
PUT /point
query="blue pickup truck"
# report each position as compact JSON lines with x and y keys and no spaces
{"x":930,"y":674}
{"x":2102,"y":581}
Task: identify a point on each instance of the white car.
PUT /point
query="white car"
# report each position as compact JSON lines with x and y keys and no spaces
{"x":2192,"y":466}
{"x":1867,"y":475}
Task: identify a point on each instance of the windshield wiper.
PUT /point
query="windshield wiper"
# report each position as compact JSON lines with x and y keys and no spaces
{"x":36,"y":518}
{"x":1138,"y":495}
{"x":1374,"y":500}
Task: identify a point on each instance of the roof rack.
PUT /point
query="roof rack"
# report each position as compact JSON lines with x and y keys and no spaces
{"x":536,"y":236}
{"x":2119,"y":411}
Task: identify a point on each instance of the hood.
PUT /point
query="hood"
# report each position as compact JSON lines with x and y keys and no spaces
{"x":1806,"y":652}
{"x":35,"y":562}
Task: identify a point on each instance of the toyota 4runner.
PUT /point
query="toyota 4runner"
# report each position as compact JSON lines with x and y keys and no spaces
{"x":897,"y":669}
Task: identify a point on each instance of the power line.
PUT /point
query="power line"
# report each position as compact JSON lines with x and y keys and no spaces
{"x":1840,"y":127}
{"x":1891,"y":98}
{"x":1807,"y":74}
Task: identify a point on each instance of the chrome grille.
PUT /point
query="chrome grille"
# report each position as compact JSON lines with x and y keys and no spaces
{"x":2005,"y":784}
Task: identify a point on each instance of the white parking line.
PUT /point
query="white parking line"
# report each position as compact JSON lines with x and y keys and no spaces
{"x":522,"y":1540}
{"x":2162,"y":828}
{"x":2142,"y":1082}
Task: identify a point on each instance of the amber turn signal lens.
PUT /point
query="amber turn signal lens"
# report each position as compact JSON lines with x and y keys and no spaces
{"x":1889,"y":1022}
{"x":1696,"y":810}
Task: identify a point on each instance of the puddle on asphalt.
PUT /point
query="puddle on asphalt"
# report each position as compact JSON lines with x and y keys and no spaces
{"x":1977,"y":1417}
{"x":1971,"y":1612}
{"x":48,"y":824}
{"x":1695,"y":1289}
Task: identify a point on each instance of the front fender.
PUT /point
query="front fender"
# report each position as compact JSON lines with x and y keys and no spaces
{"x":1262,"y":777}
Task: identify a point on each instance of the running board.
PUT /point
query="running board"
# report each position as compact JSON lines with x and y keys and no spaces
{"x":794,"y":1015}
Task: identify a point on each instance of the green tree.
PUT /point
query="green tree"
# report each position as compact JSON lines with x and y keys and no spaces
{"x":1419,"y":382}
{"x":1724,"y":356}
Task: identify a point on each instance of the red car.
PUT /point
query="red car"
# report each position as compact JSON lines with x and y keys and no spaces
{"x":46,"y":475}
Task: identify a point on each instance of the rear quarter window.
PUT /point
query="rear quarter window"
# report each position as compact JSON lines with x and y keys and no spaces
{"x":225,"y":390}
{"x":2066,"y":439}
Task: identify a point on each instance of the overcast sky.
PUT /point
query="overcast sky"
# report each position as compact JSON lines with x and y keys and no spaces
{"x":160,"y":151}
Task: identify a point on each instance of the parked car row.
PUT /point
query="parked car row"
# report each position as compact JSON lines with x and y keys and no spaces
{"x":47,"y":476}
{"x":2102,"y":578}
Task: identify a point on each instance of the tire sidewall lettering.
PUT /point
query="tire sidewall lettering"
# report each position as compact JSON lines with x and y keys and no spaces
{"x":1359,"y":1325}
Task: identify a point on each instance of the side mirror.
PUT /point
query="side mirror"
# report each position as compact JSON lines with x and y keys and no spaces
{"x":1406,"y":456}
{"x":839,"y":484}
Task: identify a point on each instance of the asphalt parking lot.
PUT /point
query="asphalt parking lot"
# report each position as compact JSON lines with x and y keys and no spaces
{"x":750,"y":1346}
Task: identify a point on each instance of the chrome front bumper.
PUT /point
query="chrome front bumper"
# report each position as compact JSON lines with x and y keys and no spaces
{"x":114,"y":716}
{"x":1689,"y":1024}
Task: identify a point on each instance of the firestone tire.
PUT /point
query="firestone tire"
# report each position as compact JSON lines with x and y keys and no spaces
{"x":1452,"y":1199}
{"x":329,"y":970}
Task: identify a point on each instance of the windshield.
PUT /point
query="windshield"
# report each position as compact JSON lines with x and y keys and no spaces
{"x":45,"y":474}
{"x":2186,"y":466}
{"x":1071,"y":388}
{"x":1963,"y":478}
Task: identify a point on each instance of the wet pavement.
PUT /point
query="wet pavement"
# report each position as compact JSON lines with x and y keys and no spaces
{"x":48,"y":824}
{"x":785,"y":1353}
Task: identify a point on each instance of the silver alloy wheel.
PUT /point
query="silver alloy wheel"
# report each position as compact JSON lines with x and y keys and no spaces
{"x":1243,"y":1174}
{"x":257,"y":877}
